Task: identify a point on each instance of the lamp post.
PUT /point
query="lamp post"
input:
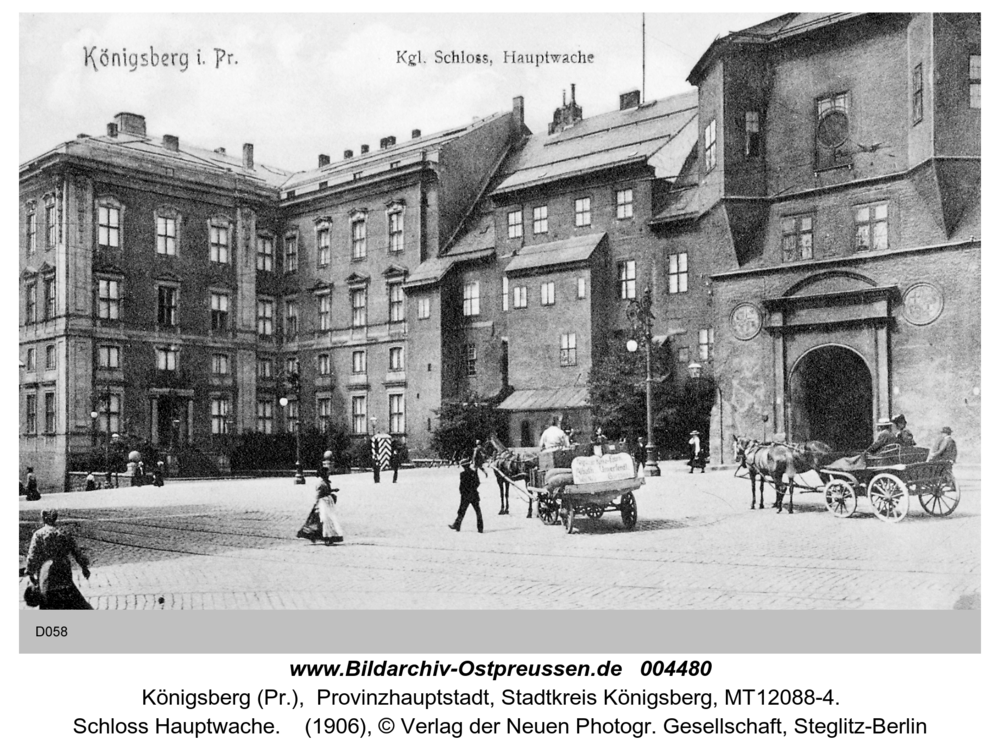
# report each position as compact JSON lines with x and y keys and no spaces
{"x":299,"y":477}
{"x":640,"y":314}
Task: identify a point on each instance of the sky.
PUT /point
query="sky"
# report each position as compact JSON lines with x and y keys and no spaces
{"x":298,"y":85}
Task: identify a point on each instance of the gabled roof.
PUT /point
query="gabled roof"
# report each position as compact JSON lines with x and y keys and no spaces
{"x":633,"y":136}
{"x":571,"y":251}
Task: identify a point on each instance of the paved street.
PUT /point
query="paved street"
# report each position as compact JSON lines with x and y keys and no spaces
{"x":231,"y":545}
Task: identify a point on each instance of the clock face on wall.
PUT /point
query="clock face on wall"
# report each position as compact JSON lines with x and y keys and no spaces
{"x":922,"y":303}
{"x":746,"y":321}
{"x":832,"y":129}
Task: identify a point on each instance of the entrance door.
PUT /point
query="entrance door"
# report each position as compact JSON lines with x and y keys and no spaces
{"x":168,"y":410}
{"x":831,"y":391}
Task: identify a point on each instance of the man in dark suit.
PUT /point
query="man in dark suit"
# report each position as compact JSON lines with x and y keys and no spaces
{"x":468,"y":489}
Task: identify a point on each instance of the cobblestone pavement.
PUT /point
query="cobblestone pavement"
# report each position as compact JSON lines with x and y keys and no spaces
{"x":231,"y":545}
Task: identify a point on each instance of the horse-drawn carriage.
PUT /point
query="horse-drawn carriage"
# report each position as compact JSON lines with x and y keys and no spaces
{"x":568,"y":502}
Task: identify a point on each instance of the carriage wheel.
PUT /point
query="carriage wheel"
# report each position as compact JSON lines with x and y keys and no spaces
{"x":630,"y":513}
{"x":840,"y":498}
{"x":941,"y":497}
{"x":595,"y":512}
{"x":548,"y":510}
{"x":889,"y":497}
{"x":570,"y":517}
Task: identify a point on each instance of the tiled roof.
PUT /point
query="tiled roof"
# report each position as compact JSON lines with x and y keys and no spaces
{"x":603,"y":141}
{"x":547,"y":399}
{"x":557,"y":253}
{"x":432,"y":270}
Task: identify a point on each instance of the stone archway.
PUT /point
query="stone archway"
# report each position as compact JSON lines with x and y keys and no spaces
{"x":832,"y":398}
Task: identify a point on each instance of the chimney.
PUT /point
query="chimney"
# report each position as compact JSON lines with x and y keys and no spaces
{"x":572,"y":94}
{"x":171,"y":142}
{"x":364,"y":148}
{"x":628,"y":100}
{"x":113,"y":130}
{"x":415,"y":133}
{"x":324,"y":160}
{"x":348,"y":153}
{"x":568,"y":115}
{"x":248,"y":156}
{"x":387,"y":142}
{"x":519,"y":112}
{"x":131,"y":123}
{"x":220,"y":150}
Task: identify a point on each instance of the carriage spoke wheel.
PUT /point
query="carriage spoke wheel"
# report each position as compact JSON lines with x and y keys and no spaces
{"x":548,"y":510}
{"x":630,"y":513}
{"x":594,"y":512}
{"x":941,"y":497}
{"x":840,"y":498}
{"x":889,"y":497}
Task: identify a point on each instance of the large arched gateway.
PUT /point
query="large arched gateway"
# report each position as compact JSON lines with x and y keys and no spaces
{"x":831,"y":398}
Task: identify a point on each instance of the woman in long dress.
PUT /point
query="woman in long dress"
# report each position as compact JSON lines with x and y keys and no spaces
{"x":50,"y":565}
{"x":322,"y":522}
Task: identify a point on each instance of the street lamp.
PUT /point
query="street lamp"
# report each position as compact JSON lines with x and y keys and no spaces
{"x":299,"y":477}
{"x":640,"y":314}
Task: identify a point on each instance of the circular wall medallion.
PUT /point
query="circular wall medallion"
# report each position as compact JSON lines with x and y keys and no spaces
{"x":746,"y":321}
{"x":832,"y":130}
{"x":922,"y":303}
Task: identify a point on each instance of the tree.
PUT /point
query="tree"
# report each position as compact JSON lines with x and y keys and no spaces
{"x":461,"y":423}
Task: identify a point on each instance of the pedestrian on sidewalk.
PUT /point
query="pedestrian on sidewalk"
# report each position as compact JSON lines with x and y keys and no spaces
{"x":91,"y":482}
{"x":31,"y":486}
{"x":158,"y":473}
{"x":468,"y":490}
{"x":396,"y":457}
{"x":697,"y":457}
{"x":49,"y":566}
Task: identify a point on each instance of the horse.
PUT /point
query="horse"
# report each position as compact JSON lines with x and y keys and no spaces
{"x":508,"y":466}
{"x":775,"y":461}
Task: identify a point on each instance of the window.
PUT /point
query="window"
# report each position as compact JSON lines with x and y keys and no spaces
{"x":710,"y":146}
{"x":110,"y":413}
{"x":323,"y":414}
{"x":108,"y":226}
{"x":29,"y":360}
{"x":291,"y":253}
{"x":220,"y":364}
{"x":917,"y":94}
{"x":567,"y":350}
{"x":359,"y":414}
{"x":797,"y":238}
{"x":50,"y":357}
{"x":30,"y":303}
{"x":583,"y":212}
{"x":49,"y":297}
{"x":540,"y":220}
{"x":623,"y":203}
{"x":265,"y":368}
{"x":265,"y":416}
{"x":265,"y":253}
{"x":108,"y":357}
{"x":548,"y":293}
{"x":50,"y":222}
{"x":30,"y":229}
{"x":50,"y":413}
{"x":108,"y":292}
{"x":323,"y":246}
{"x":396,"y":231}
{"x":359,"y":233}
{"x":626,"y":278}
{"x":166,"y":305}
{"x":30,"y":414}
{"x":515,"y":224}
{"x":291,"y":366}
{"x":470,"y":360}
{"x":396,"y":423}
{"x":424,"y":307}
{"x":397,"y":310}
{"x":470,"y":299}
{"x":832,"y":131}
{"x":684,"y":354}
{"x":291,"y":415}
{"x":218,"y":243}
{"x":706,"y":344}
{"x":871,"y":227}
{"x":166,"y":236}
{"x":975,"y":81}
{"x":166,"y":359}
{"x":677,"y":273}
{"x":324,"y":311}
{"x":520,"y":296}
{"x":220,"y":311}
{"x":359,"y":362}
{"x":220,"y":414}
{"x":265,"y":316}
{"x":581,"y":287}
{"x":751,"y":134}
{"x":505,"y":294}
{"x":291,"y":318}
{"x":359,"y":307}
{"x":395,"y":359}
{"x":323,"y":364}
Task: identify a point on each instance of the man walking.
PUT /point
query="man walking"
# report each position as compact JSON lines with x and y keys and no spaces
{"x":468,"y":489}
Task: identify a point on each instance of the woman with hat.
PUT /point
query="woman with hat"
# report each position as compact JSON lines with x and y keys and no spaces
{"x":322,"y":522}
{"x":697,"y":459}
{"x":49,"y":566}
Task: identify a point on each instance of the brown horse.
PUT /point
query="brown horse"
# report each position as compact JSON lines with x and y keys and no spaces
{"x":507,"y":467}
{"x":778,"y":463}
